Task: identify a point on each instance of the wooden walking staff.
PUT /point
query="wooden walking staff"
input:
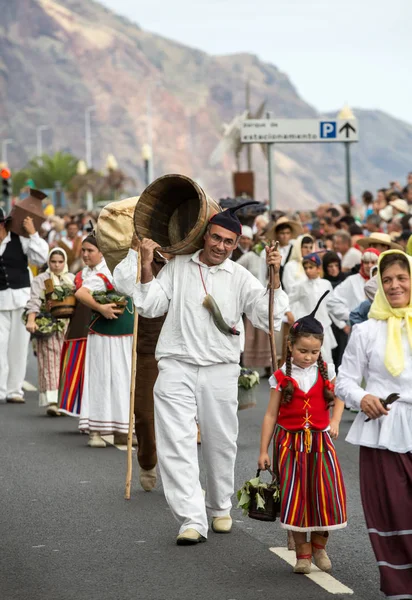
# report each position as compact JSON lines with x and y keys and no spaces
{"x":132,"y":391}
{"x":271,"y":312}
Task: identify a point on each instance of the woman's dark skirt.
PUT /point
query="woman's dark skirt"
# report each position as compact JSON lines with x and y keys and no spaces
{"x":386,"y":490}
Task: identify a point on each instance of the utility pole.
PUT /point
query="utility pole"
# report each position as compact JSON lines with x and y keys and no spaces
{"x":4,"y":145}
{"x":39,"y":145}
{"x":88,"y":142}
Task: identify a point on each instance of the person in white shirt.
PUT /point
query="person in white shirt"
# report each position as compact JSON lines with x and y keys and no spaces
{"x":294,"y":272}
{"x":350,"y":293}
{"x":198,"y":358}
{"x":305,"y":297}
{"x":285,"y":231}
{"x":342,"y":244}
{"x":378,"y":362}
{"x":15,"y":254}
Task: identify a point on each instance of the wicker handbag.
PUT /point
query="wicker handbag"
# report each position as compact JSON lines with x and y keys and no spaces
{"x":272,"y":506}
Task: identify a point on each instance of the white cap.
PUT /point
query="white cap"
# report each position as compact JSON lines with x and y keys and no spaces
{"x":247,"y":232}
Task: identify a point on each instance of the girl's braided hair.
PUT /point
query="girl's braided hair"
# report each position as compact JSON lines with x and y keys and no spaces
{"x":287,"y":391}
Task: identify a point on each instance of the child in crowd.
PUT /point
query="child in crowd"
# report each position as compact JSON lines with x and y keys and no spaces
{"x":49,"y":349}
{"x":304,"y":297}
{"x":312,"y":490}
{"x":293,"y":271}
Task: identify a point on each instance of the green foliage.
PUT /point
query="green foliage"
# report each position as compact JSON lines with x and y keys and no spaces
{"x":255,"y":487}
{"x":248,"y":378}
{"x":61,"y":292}
{"x":108,"y":298}
{"x":46,"y":170}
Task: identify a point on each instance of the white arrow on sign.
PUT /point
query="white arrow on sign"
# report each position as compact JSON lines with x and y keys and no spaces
{"x":295,"y":131}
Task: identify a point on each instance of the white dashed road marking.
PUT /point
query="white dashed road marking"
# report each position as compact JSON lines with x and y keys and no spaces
{"x":326,"y":581}
{"x":109,"y":440}
{"x":28,"y":387}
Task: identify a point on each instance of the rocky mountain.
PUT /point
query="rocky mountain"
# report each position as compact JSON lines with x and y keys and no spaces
{"x":58,"y":57}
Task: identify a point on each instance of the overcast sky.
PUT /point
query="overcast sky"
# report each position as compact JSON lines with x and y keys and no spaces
{"x":358,"y":51}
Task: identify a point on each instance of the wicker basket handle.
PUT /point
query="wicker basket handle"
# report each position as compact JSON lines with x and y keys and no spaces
{"x":274,"y":475}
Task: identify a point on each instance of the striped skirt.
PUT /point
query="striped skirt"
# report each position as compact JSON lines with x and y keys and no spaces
{"x":72,"y":376}
{"x":386,"y":491}
{"x":48,"y":360}
{"x":313,"y":496}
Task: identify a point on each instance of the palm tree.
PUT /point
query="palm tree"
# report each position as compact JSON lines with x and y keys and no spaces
{"x":46,"y":170}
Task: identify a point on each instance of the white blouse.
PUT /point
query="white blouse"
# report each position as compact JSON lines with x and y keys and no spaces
{"x":364,"y":360}
{"x":306,"y":378}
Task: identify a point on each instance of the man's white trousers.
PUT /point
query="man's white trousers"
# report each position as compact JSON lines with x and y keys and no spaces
{"x":14,"y":343}
{"x":183,"y":393}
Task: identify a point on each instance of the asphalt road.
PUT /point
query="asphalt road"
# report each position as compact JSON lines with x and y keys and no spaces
{"x":66,"y":532}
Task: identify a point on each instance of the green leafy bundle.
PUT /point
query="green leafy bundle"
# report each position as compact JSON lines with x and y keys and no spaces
{"x":61,"y":292}
{"x":248,"y":379}
{"x":109,"y":298}
{"x":254,"y":487}
{"x":46,"y":324}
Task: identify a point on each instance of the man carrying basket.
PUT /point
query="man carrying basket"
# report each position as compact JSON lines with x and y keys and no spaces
{"x":198,"y":352}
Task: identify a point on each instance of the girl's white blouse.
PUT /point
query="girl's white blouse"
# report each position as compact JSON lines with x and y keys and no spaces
{"x":363,"y":372}
{"x":306,"y":378}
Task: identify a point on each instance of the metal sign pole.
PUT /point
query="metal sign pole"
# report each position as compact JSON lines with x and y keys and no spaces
{"x":348,"y":173}
{"x":271,"y":168}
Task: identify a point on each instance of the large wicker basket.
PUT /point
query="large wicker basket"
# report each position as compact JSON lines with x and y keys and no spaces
{"x":63,"y":309}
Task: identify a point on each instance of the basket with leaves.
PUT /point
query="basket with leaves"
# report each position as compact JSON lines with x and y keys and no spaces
{"x":46,"y":325}
{"x":259,"y":500}
{"x":62,"y":301}
{"x":247,"y":381}
{"x":111,"y":297}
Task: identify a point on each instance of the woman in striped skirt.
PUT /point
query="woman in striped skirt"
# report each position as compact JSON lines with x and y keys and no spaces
{"x":74,"y":347}
{"x":312,"y":490}
{"x":48,"y":348}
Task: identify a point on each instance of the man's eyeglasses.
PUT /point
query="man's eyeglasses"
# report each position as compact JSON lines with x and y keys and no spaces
{"x":227,"y":242}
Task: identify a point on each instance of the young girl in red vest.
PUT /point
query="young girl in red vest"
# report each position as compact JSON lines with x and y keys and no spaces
{"x":312,"y":490}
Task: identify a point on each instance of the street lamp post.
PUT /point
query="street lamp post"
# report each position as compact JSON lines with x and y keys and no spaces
{"x":4,"y":145}
{"x":147,"y":158}
{"x":39,"y":131}
{"x":88,"y":142}
{"x":149,"y":125}
{"x":347,"y":114}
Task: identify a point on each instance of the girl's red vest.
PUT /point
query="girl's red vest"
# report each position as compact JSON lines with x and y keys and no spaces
{"x":305,"y":410}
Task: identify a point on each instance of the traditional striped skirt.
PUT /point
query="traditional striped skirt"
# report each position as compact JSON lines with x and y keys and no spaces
{"x":386,"y":491}
{"x":72,"y":376}
{"x":313,"y":496}
{"x":48,"y":360}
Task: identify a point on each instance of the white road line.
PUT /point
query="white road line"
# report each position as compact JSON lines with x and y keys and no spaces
{"x":326,"y":581}
{"x":109,"y":439}
{"x":28,"y":387}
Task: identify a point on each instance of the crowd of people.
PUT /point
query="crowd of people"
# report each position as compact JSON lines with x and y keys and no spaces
{"x":342,"y":314}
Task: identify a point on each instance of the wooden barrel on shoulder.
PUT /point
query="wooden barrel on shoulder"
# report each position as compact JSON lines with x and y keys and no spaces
{"x":174,"y":211}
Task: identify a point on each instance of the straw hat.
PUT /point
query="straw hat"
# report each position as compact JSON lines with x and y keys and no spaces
{"x":400,"y":205}
{"x":295,"y":227}
{"x":378,"y":238}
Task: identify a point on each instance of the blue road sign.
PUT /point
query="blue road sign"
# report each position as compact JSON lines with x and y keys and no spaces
{"x":328,"y":129}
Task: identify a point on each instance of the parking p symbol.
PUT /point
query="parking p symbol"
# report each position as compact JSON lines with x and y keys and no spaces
{"x":328,"y":129}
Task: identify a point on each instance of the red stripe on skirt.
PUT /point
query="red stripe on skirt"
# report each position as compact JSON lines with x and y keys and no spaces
{"x":313,"y":496}
{"x":386,"y":492}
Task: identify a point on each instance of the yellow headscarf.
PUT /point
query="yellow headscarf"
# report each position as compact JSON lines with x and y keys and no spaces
{"x":64,"y":278}
{"x":409,"y":246}
{"x":383,"y":311}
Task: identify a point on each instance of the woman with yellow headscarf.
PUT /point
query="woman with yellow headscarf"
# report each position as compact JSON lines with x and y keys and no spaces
{"x":380,"y":354}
